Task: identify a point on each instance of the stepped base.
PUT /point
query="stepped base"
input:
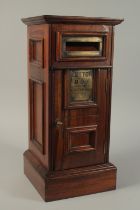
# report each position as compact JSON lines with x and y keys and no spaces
{"x":69,"y":183}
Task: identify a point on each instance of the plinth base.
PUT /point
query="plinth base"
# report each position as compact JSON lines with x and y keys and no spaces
{"x":69,"y":183}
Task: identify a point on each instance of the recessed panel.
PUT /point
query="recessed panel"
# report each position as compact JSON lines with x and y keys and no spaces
{"x":36,"y":118}
{"x":36,"y":51}
{"x":81,"y":139}
{"x":37,"y":101}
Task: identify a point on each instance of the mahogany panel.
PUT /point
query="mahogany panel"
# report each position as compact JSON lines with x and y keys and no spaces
{"x":80,"y":119}
{"x":36,"y":48}
{"x":81,"y":139}
{"x":36,"y":115}
{"x":38,"y":75}
{"x":60,"y":29}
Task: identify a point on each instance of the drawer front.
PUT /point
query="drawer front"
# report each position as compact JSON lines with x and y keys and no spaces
{"x":81,"y":44}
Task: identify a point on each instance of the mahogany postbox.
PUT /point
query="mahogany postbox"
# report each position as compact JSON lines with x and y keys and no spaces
{"x":69,"y":76}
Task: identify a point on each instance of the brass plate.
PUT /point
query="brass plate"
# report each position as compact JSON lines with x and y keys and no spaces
{"x":83,"y":53}
{"x":81,"y":85}
{"x":82,"y":39}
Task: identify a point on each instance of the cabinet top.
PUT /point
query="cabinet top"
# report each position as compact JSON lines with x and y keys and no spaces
{"x":70,"y":20}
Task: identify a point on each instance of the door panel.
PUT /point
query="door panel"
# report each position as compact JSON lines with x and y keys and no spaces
{"x":80,"y":114}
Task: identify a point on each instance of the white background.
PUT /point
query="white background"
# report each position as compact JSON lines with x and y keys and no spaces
{"x":16,"y":192}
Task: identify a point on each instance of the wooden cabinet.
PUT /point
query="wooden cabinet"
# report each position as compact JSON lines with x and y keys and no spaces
{"x":69,"y":77}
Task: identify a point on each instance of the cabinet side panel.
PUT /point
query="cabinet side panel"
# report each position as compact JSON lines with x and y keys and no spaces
{"x":109,"y":96}
{"x":38,"y":89}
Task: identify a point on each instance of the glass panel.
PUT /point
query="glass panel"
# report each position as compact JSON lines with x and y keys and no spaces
{"x":81,"y":46}
{"x":81,"y":85}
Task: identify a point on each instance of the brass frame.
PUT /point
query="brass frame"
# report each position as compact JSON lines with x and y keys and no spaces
{"x":81,"y":53}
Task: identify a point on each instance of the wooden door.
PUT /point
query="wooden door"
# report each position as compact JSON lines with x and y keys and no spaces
{"x":79,"y":117}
